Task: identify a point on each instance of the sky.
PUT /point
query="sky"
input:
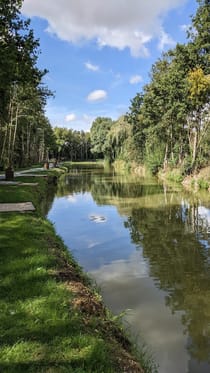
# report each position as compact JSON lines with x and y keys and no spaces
{"x":99,"y":53}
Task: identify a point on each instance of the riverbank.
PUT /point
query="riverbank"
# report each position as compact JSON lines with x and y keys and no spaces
{"x":193,"y":182}
{"x":52,"y":318}
{"x":196,"y":181}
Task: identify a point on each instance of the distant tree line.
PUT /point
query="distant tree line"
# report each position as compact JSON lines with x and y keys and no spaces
{"x":168,"y":123}
{"x":72,"y":145}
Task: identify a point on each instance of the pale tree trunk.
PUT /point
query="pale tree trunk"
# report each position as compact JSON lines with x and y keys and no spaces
{"x":180,"y":150}
{"x":4,"y":144}
{"x":15,"y":133}
{"x":165,"y":157}
{"x":9,"y":148}
{"x":172,"y":153}
{"x":194,"y":150}
{"x":28,"y":141}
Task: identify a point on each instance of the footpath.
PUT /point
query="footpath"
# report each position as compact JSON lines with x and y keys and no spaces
{"x":23,"y":206}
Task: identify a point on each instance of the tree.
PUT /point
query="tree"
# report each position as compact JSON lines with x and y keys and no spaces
{"x":199,"y":36}
{"x":159,"y":114}
{"x":72,"y":145}
{"x":100,"y":145}
{"x":120,"y":139}
{"x":135,"y":119}
{"x":22,"y":95}
{"x":198,"y":120}
{"x":170,"y":118}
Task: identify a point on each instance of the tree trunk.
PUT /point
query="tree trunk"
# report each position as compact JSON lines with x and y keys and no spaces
{"x":194,"y":152}
{"x":165,"y":162}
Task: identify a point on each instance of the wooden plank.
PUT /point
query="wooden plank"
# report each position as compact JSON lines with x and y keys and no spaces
{"x":19,"y":183}
{"x":21,"y":207}
{"x":9,"y":182}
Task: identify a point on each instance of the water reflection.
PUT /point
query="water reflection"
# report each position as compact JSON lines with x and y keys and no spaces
{"x":172,"y":241}
{"x":150,"y":255}
{"x":46,"y":203}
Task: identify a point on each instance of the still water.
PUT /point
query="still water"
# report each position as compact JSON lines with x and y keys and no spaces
{"x":148,"y":248}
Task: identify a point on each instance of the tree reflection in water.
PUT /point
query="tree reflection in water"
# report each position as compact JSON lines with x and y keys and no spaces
{"x":173,"y":233}
{"x":172,"y":241}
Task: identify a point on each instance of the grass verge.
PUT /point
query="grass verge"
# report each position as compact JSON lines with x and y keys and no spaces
{"x":51,"y":319}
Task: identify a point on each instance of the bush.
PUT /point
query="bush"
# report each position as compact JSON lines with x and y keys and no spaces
{"x":203,"y":184}
{"x":175,"y":175}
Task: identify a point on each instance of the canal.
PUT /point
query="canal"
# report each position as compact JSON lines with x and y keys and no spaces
{"x":147,"y":246}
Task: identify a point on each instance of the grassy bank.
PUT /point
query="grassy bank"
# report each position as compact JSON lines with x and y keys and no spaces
{"x":199,"y":180}
{"x":52,"y":319}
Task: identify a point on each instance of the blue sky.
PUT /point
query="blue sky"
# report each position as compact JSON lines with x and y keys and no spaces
{"x":99,"y":54}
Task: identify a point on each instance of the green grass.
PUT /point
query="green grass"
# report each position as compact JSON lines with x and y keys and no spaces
{"x":40,"y":195}
{"x":202,"y":183}
{"x":41,"y":329}
{"x":173,"y":175}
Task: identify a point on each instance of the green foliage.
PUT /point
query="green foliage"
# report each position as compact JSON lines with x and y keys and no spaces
{"x":154,"y":159}
{"x":202,"y":183}
{"x":170,"y":119}
{"x":199,"y":85}
{"x":99,"y":131}
{"x":72,"y":145}
{"x":138,"y":125}
{"x":174,"y":175}
{"x":24,"y":137}
{"x":199,"y":35}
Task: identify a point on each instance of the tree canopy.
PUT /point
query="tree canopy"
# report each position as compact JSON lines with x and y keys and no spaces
{"x":170,"y":119}
{"x":25,"y":132}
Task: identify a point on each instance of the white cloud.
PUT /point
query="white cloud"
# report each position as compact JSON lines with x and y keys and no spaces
{"x":58,"y":117}
{"x":165,"y":40}
{"x":117,"y":24}
{"x":135,"y":79}
{"x":71,"y":199}
{"x":70,"y":117}
{"x":184,"y":27}
{"x":97,"y":95}
{"x":91,"y":67}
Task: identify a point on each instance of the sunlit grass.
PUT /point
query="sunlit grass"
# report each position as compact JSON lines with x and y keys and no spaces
{"x":40,"y":330}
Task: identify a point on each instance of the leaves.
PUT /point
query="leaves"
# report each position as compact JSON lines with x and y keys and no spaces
{"x":199,"y":86}
{"x":23,"y":135}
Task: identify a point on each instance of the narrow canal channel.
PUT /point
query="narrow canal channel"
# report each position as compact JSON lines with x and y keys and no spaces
{"x":148,"y":248}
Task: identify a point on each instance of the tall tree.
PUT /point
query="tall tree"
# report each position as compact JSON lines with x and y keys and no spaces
{"x":198,"y":35}
{"x":22,"y":95}
{"x":99,"y":137}
{"x":135,"y":119}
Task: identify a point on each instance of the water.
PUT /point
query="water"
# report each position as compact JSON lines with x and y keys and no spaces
{"x":148,"y":248}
